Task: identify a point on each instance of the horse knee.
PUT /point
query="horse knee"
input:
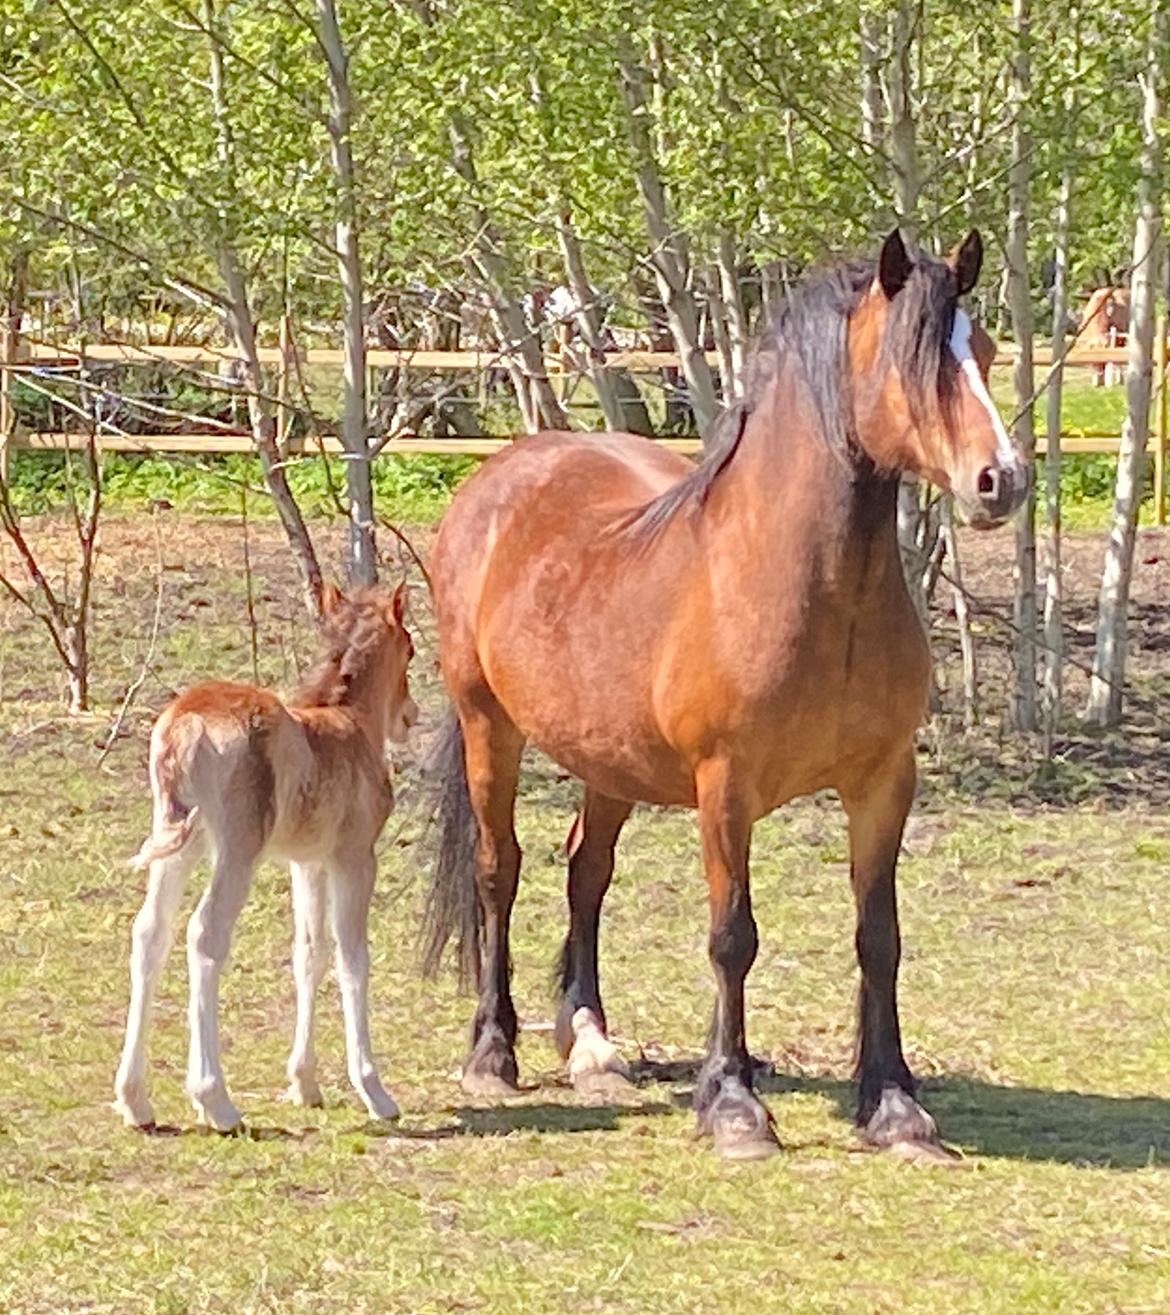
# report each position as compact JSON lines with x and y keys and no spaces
{"x":208,"y":937}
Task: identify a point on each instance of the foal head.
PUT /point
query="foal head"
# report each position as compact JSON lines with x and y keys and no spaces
{"x":918,"y":369}
{"x":367,"y":651}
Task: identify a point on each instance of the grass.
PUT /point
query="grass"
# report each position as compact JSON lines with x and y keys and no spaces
{"x":1034,"y":996}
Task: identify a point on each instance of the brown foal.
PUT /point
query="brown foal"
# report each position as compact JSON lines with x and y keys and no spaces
{"x":234,"y":769}
{"x":724,"y":637}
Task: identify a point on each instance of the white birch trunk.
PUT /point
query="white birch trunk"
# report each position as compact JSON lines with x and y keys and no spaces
{"x":363,"y":560}
{"x":239,"y":314}
{"x":1108,"y":680}
{"x":1020,"y":300}
{"x":737,"y":323}
{"x":668,"y":256}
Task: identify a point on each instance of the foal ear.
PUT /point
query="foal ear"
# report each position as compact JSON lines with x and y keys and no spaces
{"x":894,"y":265}
{"x":398,"y":602}
{"x":330,"y":598}
{"x":967,"y":260}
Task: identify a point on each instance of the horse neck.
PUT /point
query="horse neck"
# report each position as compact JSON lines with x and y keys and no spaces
{"x":368,"y":704}
{"x":796,"y":503}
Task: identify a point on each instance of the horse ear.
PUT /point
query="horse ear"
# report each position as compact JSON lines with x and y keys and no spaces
{"x":894,"y":265}
{"x":330,"y":598}
{"x":967,"y":260}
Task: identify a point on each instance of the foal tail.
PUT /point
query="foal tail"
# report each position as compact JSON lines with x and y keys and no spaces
{"x":174,"y":821}
{"x":452,"y":906}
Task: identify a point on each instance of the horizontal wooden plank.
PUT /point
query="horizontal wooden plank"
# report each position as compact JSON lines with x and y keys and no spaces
{"x":379,"y":358}
{"x":219,"y":444}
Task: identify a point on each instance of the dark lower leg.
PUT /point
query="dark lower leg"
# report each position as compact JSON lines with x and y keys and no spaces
{"x":590,"y":871}
{"x":887,"y":1109}
{"x":726,"y":1106}
{"x":492,"y":746}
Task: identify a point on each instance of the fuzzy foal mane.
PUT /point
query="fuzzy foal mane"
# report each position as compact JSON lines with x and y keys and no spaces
{"x":351,"y":634}
{"x":807,"y":332}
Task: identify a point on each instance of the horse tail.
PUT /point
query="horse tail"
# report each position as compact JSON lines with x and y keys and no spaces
{"x":174,"y":821}
{"x":452,"y":905}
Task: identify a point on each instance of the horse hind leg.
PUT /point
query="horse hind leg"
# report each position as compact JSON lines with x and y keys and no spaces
{"x":492,"y":749}
{"x":310,"y":963}
{"x":209,"y":935}
{"x":595,"y":1066}
{"x":151,"y":942}
{"x":350,"y":886}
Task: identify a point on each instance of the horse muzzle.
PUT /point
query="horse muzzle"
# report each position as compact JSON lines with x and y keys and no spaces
{"x":1000,"y":490}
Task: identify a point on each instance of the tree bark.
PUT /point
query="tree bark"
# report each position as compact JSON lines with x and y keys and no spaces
{"x":621,"y":403}
{"x":239,"y":314}
{"x":1053,"y":677}
{"x":737,"y":322}
{"x":1020,"y":299}
{"x":668,"y":258}
{"x":1108,"y":680}
{"x":363,"y":558}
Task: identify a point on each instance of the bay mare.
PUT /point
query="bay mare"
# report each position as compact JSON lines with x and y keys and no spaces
{"x":725,"y":638}
{"x":235,"y":771}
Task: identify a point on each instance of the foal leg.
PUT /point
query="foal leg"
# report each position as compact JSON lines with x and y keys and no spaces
{"x":151,"y":943}
{"x":726,"y":1105}
{"x":594,"y":1063}
{"x":492,"y":748}
{"x":351,"y":884}
{"x":310,"y":963}
{"x":209,"y":936}
{"x":887,"y":1111}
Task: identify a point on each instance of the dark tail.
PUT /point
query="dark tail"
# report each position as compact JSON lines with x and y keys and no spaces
{"x":452,"y":907}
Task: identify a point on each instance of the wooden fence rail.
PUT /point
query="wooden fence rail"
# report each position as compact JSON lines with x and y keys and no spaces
{"x":20,"y":356}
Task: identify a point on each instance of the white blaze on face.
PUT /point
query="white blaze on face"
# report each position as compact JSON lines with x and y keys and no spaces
{"x":969,"y":368}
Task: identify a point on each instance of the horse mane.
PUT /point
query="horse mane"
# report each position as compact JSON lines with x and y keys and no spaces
{"x":351,"y":633}
{"x":807,"y":332}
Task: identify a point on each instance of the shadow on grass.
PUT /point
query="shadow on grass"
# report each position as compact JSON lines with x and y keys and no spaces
{"x":500,"y":1120}
{"x":985,"y":1118}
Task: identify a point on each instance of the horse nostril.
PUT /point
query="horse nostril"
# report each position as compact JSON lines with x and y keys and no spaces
{"x":988,"y":484}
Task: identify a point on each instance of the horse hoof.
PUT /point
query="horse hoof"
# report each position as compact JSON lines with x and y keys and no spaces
{"x":382,"y":1106}
{"x":134,"y":1113}
{"x":740,"y":1126}
{"x":899,"y":1120}
{"x":306,"y":1094}
{"x":487,"y":1084}
{"x":603,"y":1084}
{"x":927,"y":1152}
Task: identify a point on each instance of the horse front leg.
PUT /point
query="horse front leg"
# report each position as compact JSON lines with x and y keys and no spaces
{"x":492,"y":748}
{"x":595,"y":1066}
{"x":887,"y":1113}
{"x":727,"y":1107}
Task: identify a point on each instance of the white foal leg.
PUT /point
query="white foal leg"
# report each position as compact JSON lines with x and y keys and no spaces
{"x":350,"y":886}
{"x":150,"y":944}
{"x":209,"y":935}
{"x":310,"y":962}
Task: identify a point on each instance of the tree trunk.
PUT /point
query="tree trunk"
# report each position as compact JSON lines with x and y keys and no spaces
{"x":737,"y":325}
{"x":486,"y":264}
{"x":1053,"y":691}
{"x":239,"y":314}
{"x":622,"y":411}
{"x":668,"y":257}
{"x":1106,"y":686}
{"x":12,"y":310}
{"x":962,"y":614}
{"x":363,"y":558}
{"x":1020,"y":299}
{"x":900,"y":109}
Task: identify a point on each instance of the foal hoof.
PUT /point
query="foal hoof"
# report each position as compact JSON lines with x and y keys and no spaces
{"x":476,"y":1083}
{"x":306,"y":1093}
{"x":740,"y":1126}
{"x":132,"y":1107}
{"x":901,"y":1125}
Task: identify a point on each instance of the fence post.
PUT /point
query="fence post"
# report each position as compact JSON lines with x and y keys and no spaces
{"x":1160,"y":415}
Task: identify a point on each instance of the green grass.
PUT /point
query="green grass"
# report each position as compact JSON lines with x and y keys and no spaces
{"x":1034,"y":997}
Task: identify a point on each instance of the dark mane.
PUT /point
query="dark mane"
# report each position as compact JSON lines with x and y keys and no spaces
{"x":807,"y":332}
{"x":350,"y":635}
